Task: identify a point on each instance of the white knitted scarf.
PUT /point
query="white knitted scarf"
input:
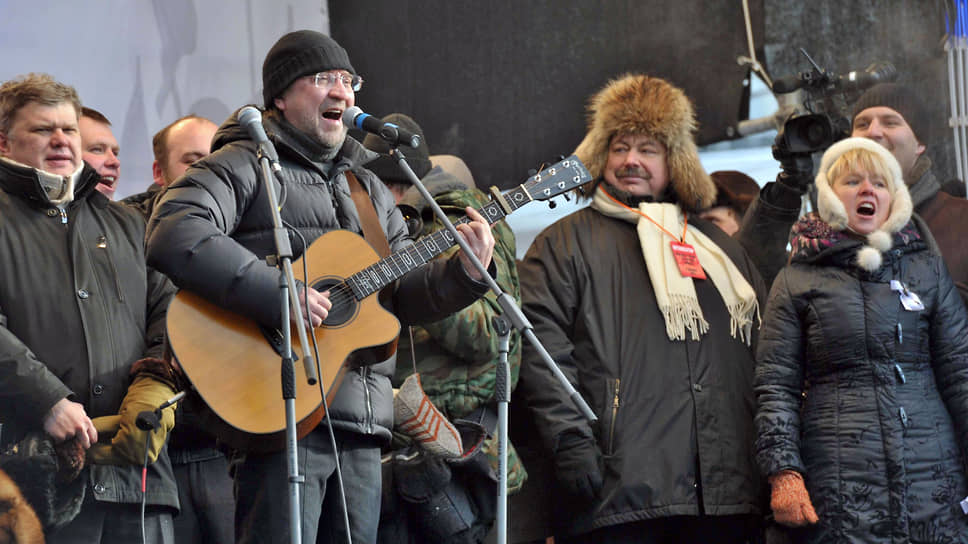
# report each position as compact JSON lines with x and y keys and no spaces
{"x":675,"y":293}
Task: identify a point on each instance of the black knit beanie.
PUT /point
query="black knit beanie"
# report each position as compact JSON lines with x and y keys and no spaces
{"x":297,"y":54}
{"x":900,"y":99}
{"x":385,"y":166}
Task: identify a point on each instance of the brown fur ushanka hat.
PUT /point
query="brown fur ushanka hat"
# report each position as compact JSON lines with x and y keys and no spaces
{"x":639,"y":104}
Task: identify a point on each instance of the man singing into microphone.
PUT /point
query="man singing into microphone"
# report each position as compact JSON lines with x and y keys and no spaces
{"x":211,"y":229}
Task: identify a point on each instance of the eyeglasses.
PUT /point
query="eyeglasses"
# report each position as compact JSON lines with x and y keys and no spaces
{"x":326,"y":80}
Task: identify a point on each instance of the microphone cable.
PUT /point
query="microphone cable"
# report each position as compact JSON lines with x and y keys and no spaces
{"x":322,"y":390}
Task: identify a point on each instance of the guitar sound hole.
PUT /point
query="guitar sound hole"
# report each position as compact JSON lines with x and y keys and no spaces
{"x":344,"y":307}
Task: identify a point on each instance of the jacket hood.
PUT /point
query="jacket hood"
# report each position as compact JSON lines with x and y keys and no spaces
{"x":833,"y":212}
{"x":640,"y":104}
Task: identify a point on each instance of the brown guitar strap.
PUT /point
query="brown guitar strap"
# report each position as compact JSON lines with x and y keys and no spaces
{"x":372,"y":231}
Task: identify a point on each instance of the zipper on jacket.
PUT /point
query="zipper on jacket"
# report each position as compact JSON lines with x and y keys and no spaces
{"x":366,"y":397}
{"x":611,"y":424}
{"x":63,"y":216}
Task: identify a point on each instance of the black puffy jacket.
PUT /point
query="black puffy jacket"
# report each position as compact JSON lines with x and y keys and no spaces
{"x":210,"y":232}
{"x":867,"y":400}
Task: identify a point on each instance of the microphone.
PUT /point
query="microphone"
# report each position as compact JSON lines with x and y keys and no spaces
{"x":355,"y":118}
{"x":855,"y":80}
{"x":150,"y":420}
{"x":878,"y":72}
{"x":251,"y":119}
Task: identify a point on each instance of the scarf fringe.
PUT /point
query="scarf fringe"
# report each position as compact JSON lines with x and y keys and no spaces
{"x":741,"y":319}
{"x":681,"y":314}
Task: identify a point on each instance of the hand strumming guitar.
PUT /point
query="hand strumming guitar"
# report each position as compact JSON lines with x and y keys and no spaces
{"x":478,"y":236}
{"x":319,"y":306}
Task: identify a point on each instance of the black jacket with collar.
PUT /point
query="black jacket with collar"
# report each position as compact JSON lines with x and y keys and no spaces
{"x":78,"y":306}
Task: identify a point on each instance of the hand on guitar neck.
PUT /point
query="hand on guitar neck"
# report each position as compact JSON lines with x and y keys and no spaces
{"x":477,"y":234}
{"x":319,"y":306}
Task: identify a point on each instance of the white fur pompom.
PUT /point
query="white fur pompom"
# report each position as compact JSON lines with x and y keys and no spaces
{"x":879,"y":240}
{"x":869,"y":258}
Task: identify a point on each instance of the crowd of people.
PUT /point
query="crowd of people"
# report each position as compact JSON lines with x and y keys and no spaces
{"x":756,"y":375}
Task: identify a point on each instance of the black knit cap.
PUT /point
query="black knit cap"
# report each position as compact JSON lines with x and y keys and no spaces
{"x":900,"y":99}
{"x":385,"y":166}
{"x":297,"y":54}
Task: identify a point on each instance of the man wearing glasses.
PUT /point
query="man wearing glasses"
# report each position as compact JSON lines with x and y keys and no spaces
{"x":211,"y":229}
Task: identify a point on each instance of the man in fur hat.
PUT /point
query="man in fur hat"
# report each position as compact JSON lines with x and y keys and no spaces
{"x":651,"y":312}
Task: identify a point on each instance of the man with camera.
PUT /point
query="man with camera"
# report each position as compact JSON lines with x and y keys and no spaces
{"x":893,"y":116}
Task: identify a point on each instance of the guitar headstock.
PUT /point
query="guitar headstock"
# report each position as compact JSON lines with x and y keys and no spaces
{"x":560,"y":177}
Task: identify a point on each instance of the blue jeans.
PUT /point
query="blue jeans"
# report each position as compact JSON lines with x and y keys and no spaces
{"x":262,"y":491}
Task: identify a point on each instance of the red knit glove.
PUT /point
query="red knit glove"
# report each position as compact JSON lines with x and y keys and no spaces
{"x":790,"y":501}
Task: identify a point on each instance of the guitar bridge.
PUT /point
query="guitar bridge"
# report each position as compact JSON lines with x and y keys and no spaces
{"x":275,"y":340}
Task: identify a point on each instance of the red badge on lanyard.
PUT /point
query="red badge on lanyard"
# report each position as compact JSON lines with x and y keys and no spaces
{"x":687,"y":260}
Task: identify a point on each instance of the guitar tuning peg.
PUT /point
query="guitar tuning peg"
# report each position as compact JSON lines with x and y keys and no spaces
{"x":552,"y":204}
{"x":567,"y":198}
{"x":561,"y":158}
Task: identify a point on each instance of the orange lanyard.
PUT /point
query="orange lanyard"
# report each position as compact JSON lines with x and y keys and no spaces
{"x":685,"y":218}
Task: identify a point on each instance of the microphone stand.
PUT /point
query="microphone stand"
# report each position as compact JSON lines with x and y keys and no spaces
{"x":288,"y":294}
{"x":511,"y":311}
{"x":502,"y":394}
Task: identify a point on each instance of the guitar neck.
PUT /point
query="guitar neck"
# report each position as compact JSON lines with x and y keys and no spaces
{"x":386,"y":271}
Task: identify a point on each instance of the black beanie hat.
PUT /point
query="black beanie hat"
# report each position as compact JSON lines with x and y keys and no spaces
{"x":298,"y":54}
{"x":900,"y":99}
{"x":385,"y":166}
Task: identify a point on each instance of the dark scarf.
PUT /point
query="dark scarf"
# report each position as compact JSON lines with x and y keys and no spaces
{"x":922,"y":185}
{"x":302,"y":142}
{"x":811,"y":238}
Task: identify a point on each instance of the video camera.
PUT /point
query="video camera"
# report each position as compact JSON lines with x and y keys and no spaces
{"x":824,"y":117}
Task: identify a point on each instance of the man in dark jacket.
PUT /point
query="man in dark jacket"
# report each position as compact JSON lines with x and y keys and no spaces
{"x":78,"y":306}
{"x":210,"y":230}
{"x":665,"y":359}
{"x":175,"y":148}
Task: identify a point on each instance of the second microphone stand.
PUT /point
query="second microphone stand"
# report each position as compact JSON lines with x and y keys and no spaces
{"x":514,"y":314}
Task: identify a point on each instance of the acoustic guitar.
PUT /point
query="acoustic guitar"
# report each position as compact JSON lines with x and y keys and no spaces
{"x":234,"y":364}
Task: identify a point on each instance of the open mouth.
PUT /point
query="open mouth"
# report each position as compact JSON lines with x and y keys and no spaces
{"x":866,"y":209}
{"x":108,"y":180}
{"x":333,"y":115}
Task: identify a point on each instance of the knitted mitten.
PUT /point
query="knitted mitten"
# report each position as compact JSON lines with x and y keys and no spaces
{"x":790,"y":501}
{"x":415,"y":416}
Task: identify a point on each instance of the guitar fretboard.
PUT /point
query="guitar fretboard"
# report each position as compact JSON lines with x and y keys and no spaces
{"x":383,"y":273}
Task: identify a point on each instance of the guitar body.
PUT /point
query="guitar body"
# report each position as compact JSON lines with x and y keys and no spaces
{"x":237,"y":372}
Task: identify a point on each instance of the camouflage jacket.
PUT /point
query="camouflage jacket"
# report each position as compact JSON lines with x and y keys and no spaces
{"x":457,"y":356}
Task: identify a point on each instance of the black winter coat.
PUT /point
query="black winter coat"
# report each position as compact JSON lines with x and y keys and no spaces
{"x":78,"y":306}
{"x":866,"y":399}
{"x":210,"y":232}
{"x":674,"y":417}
